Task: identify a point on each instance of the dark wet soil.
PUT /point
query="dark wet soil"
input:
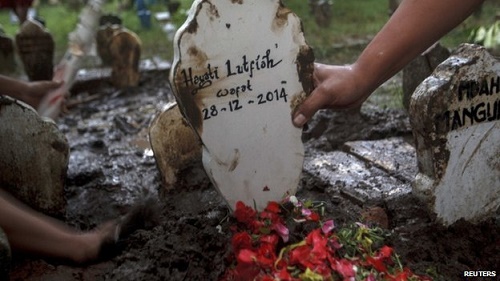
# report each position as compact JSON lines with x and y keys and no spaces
{"x":112,"y":166}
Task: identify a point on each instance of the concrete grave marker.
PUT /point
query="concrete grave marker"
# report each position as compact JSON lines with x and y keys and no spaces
{"x":125,"y":51}
{"x":420,"y":68}
{"x":174,"y":143}
{"x":239,"y":69}
{"x":455,"y":114}
{"x":34,"y":157}
{"x":102,"y":38}
{"x":7,"y":60}
{"x":36,"y":49}
{"x":120,"y":48}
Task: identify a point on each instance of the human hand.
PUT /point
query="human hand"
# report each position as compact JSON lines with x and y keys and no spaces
{"x":337,"y":87}
{"x":37,"y":90}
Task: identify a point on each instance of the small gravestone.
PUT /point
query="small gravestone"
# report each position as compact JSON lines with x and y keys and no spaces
{"x":240,"y":67}
{"x":103,"y":37}
{"x":125,"y":50}
{"x":34,"y":157}
{"x":455,"y":115}
{"x":35,"y":46}
{"x":175,"y":145}
{"x":420,"y":68}
{"x":120,"y":48}
{"x":7,"y":60}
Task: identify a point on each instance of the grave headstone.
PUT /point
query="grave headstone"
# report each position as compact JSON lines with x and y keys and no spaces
{"x":34,"y":157}
{"x":240,"y":68}
{"x":35,"y":46}
{"x":420,"y":68}
{"x":103,"y":37}
{"x":455,"y":115}
{"x":125,"y":51}
{"x":120,"y":48}
{"x":175,"y":144}
{"x":7,"y":59}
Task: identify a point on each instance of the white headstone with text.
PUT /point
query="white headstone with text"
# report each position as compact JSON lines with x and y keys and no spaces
{"x":455,"y":115}
{"x":239,"y":69}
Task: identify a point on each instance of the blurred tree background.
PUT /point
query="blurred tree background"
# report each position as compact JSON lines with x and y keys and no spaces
{"x":337,"y":30}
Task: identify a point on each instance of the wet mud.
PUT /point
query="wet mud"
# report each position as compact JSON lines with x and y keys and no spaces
{"x":112,"y":166}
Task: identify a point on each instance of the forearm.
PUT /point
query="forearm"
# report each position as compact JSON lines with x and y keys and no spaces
{"x":12,"y":87}
{"x":414,"y":27}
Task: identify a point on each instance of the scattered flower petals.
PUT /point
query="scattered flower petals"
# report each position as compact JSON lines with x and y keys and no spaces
{"x":262,"y":250}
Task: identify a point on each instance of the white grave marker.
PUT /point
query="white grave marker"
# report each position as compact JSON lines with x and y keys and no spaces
{"x":239,"y":67}
{"x":455,"y":115}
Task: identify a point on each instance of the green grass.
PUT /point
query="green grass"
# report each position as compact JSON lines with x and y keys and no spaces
{"x":351,"y":20}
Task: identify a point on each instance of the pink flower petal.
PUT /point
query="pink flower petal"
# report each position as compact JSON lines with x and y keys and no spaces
{"x":282,"y":231}
{"x":328,"y":226}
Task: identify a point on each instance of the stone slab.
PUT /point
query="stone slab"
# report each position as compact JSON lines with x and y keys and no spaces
{"x":455,"y":117}
{"x":393,"y":155}
{"x":359,"y":180}
{"x":240,"y":67}
{"x":87,"y":79}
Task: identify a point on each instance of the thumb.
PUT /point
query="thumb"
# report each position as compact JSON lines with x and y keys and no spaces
{"x":308,"y":108}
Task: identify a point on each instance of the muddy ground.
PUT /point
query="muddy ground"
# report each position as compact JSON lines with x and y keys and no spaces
{"x":112,"y":166}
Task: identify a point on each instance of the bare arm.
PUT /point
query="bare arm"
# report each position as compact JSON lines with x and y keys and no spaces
{"x":29,"y":92}
{"x":414,"y":27}
{"x":12,"y":87}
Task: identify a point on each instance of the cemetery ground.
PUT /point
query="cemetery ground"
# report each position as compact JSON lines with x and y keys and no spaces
{"x":111,"y":166}
{"x":358,"y":164}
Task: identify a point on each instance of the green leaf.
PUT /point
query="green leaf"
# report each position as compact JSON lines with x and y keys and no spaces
{"x":310,"y":275}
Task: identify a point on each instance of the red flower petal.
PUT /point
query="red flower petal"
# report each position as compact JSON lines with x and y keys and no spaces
{"x":300,"y":254}
{"x":314,"y":217}
{"x":270,"y":239}
{"x":385,"y":252}
{"x":247,"y":256}
{"x":344,"y":267}
{"x":266,"y":255}
{"x":283,"y":275}
{"x":244,"y":214}
{"x":273,"y":207}
{"x":377,"y":263}
{"x":245,"y":272}
{"x":241,"y":240}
